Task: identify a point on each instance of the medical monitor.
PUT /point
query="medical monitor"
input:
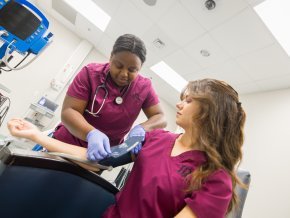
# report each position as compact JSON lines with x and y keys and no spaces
{"x":18,"y":20}
{"x":46,"y":103}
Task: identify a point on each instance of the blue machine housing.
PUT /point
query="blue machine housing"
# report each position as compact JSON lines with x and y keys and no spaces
{"x":33,"y":40}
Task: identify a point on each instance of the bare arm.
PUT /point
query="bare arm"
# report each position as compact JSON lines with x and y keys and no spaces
{"x":186,"y":212}
{"x":155,"y":117}
{"x":72,"y":117}
{"x":21,"y":128}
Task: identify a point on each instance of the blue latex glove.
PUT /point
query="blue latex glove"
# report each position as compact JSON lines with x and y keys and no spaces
{"x":137,"y":131}
{"x":98,"y":145}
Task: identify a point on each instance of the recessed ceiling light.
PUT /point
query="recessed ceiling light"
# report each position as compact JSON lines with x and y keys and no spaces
{"x":275,"y":14}
{"x":169,"y":75}
{"x":91,"y":11}
{"x":204,"y":53}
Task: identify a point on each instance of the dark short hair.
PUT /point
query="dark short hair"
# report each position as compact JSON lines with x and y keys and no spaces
{"x":131,"y":43}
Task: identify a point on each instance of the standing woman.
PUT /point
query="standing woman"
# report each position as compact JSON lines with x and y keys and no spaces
{"x":104,"y":100}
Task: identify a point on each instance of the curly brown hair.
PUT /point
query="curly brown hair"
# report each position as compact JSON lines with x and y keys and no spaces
{"x":220,"y":123}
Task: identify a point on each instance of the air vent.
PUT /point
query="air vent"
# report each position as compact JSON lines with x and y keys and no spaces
{"x":158,"y":43}
{"x":205,"y":53}
{"x":64,"y":10}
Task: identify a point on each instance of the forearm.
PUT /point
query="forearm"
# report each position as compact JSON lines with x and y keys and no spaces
{"x":54,"y":145}
{"x":76,"y":123}
{"x":154,"y":122}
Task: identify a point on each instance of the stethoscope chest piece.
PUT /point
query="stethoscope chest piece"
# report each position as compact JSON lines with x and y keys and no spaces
{"x":119,"y":100}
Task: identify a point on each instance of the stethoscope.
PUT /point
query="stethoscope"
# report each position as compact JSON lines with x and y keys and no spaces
{"x":118,"y":100}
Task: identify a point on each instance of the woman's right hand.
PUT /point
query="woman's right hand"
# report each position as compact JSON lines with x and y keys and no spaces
{"x":22,"y":128}
{"x":98,"y":145}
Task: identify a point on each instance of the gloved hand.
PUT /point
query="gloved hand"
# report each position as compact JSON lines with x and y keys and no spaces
{"x":98,"y":145}
{"x":137,"y":131}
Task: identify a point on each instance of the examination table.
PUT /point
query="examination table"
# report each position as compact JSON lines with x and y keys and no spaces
{"x":36,"y":184}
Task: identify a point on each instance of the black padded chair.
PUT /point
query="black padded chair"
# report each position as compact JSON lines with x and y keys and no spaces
{"x":34,"y":184}
{"x":245,"y":177}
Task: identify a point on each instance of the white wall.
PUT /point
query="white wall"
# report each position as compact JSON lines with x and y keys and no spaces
{"x":266,"y":154}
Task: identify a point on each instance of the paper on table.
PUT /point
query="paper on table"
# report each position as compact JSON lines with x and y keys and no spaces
{"x":94,"y":166}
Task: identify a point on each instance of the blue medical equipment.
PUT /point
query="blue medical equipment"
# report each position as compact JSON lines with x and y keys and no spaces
{"x":23,"y":29}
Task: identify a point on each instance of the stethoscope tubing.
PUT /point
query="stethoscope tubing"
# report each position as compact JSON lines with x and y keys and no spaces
{"x":103,"y":85}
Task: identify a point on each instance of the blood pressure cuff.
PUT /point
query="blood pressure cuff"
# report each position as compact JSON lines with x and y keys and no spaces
{"x":119,"y":161}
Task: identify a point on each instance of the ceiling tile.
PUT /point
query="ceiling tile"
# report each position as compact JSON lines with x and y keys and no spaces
{"x":228,"y":71}
{"x":179,"y":25}
{"x":132,"y":18}
{"x":243,"y":51}
{"x":156,"y":33}
{"x":255,"y":2}
{"x":151,"y":58}
{"x":217,"y":55}
{"x":242,"y":34}
{"x":115,"y":29}
{"x":210,"y":18}
{"x":153,"y":12}
{"x":186,"y":66}
{"x":269,"y":62}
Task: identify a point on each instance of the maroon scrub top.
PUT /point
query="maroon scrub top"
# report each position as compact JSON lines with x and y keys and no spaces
{"x":113,"y":120}
{"x":156,"y":186}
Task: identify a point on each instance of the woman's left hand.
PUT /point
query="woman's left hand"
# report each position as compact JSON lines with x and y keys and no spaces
{"x":137,"y":131}
{"x":22,"y":128}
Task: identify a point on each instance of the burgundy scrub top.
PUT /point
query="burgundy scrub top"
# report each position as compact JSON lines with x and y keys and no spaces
{"x":114,"y":120}
{"x":156,"y":186}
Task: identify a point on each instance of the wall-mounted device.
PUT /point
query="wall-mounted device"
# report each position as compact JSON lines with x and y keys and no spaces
{"x":41,"y":112}
{"x":23,"y":29}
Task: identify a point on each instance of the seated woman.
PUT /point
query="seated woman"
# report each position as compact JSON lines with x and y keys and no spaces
{"x":178,"y":175}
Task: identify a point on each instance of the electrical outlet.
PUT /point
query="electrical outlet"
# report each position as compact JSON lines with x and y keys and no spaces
{"x":56,"y":85}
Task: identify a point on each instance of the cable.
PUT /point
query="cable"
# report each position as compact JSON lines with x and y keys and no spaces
{"x":14,"y":68}
{"x":27,"y":54}
{"x":4,"y":110}
{"x":9,"y":59}
{"x":5,"y":69}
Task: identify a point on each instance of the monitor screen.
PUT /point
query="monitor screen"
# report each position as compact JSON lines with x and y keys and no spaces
{"x":44,"y":102}
{"x":18,"y":20}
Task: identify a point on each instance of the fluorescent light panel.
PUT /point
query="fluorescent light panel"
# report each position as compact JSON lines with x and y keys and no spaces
{"x":169,"y":75}
{"x":91,"y":11}
{"x":276,"y":16}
